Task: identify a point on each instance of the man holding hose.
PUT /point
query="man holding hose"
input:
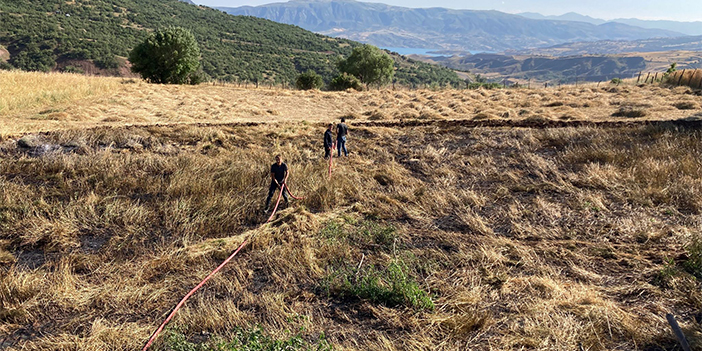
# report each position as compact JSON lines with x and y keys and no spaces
{"x":279,"y":172}
{"x":328,"y":141}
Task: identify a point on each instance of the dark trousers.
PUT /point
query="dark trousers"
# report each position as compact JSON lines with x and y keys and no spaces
{"x":327,"y":151}
{"x":341,"y":145}
{"x":271,"y":191}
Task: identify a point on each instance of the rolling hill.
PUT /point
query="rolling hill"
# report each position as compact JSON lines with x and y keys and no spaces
{"x":439,"y":28}
{"x":556,"y":69}
{"x":96,"y":36}
{"x":566,"y":69}
{"x":689,"y":43}
{"x":688,"y":28}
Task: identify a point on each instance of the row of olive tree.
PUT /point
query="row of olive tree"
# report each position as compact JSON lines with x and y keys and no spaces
{"x":172,"y":56}
{"x":366,"y":65}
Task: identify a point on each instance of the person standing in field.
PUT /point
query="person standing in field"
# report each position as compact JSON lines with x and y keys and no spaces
{"x":328,"y":141}
{"x":279,"y":172}
{"x":342,"y":131}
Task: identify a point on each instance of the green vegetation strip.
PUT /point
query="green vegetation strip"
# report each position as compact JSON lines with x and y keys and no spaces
{"x":44,"y":35}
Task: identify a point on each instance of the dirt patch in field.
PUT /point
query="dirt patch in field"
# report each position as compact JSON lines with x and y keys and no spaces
{"x":4,"y":54}
{"x":88,"y":67}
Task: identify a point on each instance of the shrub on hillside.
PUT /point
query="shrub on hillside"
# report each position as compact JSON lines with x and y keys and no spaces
{"x":4,"y":66}
{"x":168,"y":56}
{"x":32,"y":58}
{"x":107,"y":62}
{"x":345,"y":81}
{"x":616,"y":81}
{"x":309,"y":80}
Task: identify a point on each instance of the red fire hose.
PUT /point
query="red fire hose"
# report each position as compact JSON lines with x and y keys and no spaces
{"x":196,"y":288}
{"x":287,"y":188}
{"x":331,"y":157}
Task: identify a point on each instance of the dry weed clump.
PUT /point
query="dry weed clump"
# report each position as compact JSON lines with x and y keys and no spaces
{"x":687,"y":105}
{"x":630,"y":112}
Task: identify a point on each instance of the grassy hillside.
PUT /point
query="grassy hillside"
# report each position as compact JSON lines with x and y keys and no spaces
{"x":436,"y":236}
{"x":96,"y":36}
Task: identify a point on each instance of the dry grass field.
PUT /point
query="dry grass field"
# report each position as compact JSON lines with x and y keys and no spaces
{"x":428,"y":237}
{"x":33,"y":102}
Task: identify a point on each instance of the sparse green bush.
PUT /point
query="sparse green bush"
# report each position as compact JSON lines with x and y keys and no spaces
{"x":390,"y":286}
{"x":693,"y":264}
{"x":345,"y":81}
{"x":176,"y":341}
{"x":73,"y":69}
{"x":616,"y":81}
{"x":251,"y":339}
{"x":4,"y":66}
{"x":484,"y":85}
{"x":664,"y":277}
{"x":309,"y":80}
{"x":671,"y":69}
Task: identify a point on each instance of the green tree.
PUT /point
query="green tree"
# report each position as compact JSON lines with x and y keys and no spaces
{"x":309,"y":80}
{"x":369,"y":64}
{"x":345,"y":81}
{"x":168,"y":56}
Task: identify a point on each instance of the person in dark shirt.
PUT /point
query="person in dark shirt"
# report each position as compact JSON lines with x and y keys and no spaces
{"x":328,"y":141}
{"x":279,"y":172}
{"x":341,"y":132}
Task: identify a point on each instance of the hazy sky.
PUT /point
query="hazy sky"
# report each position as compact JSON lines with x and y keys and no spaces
{"x":681,"y":10}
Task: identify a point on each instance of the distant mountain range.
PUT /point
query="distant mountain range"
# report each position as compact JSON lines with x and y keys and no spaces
{"x":689,"y":43}
{"x":687,"y":28}
{"x":551,"y":69}
{"x":439,"y":28}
